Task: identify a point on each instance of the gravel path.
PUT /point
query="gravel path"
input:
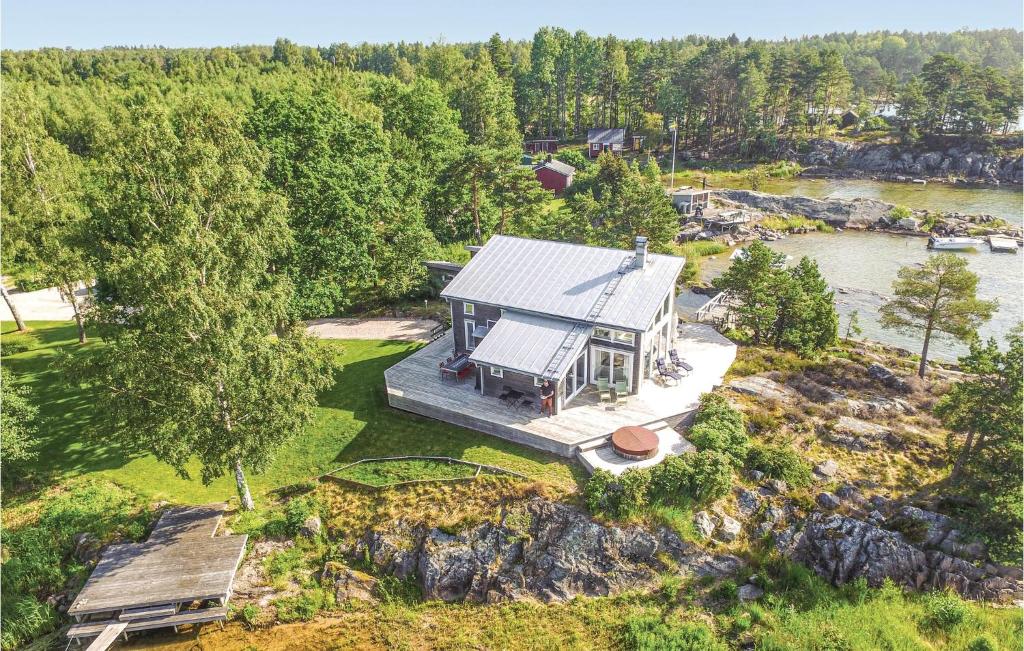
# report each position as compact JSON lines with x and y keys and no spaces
{"x":40,"y":305}
{"x":47,"y":305}
{"x":384,"y":328}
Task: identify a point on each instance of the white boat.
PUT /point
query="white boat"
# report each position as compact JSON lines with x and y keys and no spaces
{"x":954,"y":243}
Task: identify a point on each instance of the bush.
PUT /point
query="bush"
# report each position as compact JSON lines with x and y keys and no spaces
{"x":617,"y":497}
{"x":649,"y":633}
{"x":720,"y":428}
{"x":899,"y":212}
{"x":296,"y":512}
{"x":945,"y":611}
{"x":698,"y":478}
{"x":984,"y":642}
{"x":573,"y":157}
{"x":779,"y":462}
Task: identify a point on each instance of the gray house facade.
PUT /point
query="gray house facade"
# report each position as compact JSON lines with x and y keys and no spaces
{"x":527,"y":310}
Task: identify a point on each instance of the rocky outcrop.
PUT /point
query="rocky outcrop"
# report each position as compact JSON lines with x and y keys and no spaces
{"x":762,"y":387}
{"x":840,"y":549}
{"x":349,"y":583}
{"x":846,"y":213}
{"x":550,"y":551}
{"x":860,"y":435}
{"x":891,"y":161}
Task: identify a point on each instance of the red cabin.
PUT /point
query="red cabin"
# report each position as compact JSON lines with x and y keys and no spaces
{"x":554,"y":175}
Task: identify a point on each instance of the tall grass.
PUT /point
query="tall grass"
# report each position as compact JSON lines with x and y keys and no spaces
{"x":795,"y":222}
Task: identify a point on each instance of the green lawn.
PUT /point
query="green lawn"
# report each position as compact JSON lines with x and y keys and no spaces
{"x":353,"y":422}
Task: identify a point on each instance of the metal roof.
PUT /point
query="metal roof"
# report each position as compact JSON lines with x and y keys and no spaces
{"x":566,"y":280}
{"x":557,"y":166}
{"x":612,"y":136}
{"x":531,"y":344}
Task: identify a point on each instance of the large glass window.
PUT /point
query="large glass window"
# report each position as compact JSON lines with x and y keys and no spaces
{"x":468,"y":308}
{"x":624,"y":337}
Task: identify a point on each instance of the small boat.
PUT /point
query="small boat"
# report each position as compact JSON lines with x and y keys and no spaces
{"x":920,"y":181}
{"x":954,"y":243}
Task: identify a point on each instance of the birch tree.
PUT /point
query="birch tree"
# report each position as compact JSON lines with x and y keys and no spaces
{"x":184,"y":237}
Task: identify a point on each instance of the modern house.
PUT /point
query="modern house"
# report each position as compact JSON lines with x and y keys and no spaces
{"x":593,"y":322}
{"x":599,"y":140}
{"x":526,"y":311}
{"x":542,"y":146}
{"x":554,"y":175}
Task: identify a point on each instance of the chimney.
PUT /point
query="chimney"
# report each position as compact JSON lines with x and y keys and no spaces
{"x":640,"y":260}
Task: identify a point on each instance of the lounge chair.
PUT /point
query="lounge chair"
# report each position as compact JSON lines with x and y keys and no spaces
{"x":678,"y":363}
{"x":603,"y":390}
{"x":621,"y":392}
{"x":666,"y":374}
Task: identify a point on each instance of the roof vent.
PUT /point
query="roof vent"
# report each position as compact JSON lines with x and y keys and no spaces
{"x":640,"y":259}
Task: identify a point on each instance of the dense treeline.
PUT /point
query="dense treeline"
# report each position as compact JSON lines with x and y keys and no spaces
{"x":384,"y":153}
{"x":720,"y":92}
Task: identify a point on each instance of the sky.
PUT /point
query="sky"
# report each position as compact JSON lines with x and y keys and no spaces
{"x":26,"y":24}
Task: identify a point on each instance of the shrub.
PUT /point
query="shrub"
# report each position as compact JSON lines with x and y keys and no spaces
{"x":779,"y":462}
{"x":899,"y":212}
{"x":617,"y":497}
{"x":296,"y":512}
{"x":573,"y":157}
{"x":984,"y":642}
{"x":945,"y":611}
{"x":649,"y":633}
{"x":719,"y":427}
{"x":700,"y":477}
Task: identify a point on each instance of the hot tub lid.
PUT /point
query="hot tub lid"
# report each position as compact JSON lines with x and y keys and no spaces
{"x":635,"y":441}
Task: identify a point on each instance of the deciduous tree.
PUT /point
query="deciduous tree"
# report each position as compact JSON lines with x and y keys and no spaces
{"x":185,"y":235}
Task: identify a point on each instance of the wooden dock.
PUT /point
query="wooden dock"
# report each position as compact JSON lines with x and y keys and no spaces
{"x":153,"y":584}
{"x":1002,"y":244}
{"x":414,"y":385}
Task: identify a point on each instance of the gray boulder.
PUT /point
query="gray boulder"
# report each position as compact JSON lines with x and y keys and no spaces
{"x":747,"y":502}
{"x":776,"y":487}
{"x":841,"y":549}
{"x":729,"y":530}
{"x":312,"y":527}
{"x":887,"y":377}
{"x":349,"y":583}
{"x":826,"y":469}
{"x":704,"y":523}
{"x":827,"y":501}
{"x":749,"y":592}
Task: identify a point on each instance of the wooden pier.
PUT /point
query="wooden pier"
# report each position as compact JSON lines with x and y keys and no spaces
{"x":181,"y":575}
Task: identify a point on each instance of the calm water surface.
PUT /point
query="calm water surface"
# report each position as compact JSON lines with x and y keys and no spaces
{"x":862,"y":265}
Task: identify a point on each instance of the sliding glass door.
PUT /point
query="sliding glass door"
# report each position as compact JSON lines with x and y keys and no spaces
{"x":575,"y":379}
{"x":612,"y":365}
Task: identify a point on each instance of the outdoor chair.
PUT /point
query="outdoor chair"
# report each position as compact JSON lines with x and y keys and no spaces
{"x":621,"y":392}
{"x":666,"y":374}
{"x":603,"y":390}
{"x":678,"y":363}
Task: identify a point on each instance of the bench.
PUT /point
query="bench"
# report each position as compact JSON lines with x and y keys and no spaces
{"x":437,"y":332}
{"x":181,"y":618}
{"x":130,"y":614}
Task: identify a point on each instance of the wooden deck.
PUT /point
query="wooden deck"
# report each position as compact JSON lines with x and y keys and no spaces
{"x":414,"y":385}
{"x":138,"y":586}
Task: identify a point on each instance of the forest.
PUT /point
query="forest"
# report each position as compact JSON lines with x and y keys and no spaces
{"x":386,"y":154}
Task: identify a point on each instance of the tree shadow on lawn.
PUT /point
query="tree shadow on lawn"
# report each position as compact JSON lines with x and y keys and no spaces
{"x":383,"y":431}
{"x":68,"y":439}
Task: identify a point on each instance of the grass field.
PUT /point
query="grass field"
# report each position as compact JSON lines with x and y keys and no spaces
{"x":353,"y":422}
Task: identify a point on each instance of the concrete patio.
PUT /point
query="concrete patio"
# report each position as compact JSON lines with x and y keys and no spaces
{"x":414,"y":385}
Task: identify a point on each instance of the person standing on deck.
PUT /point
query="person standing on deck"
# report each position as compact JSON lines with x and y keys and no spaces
{"x":547,"y":396}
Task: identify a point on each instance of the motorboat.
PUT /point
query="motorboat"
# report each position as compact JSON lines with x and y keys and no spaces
{"x":954,"y":243}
